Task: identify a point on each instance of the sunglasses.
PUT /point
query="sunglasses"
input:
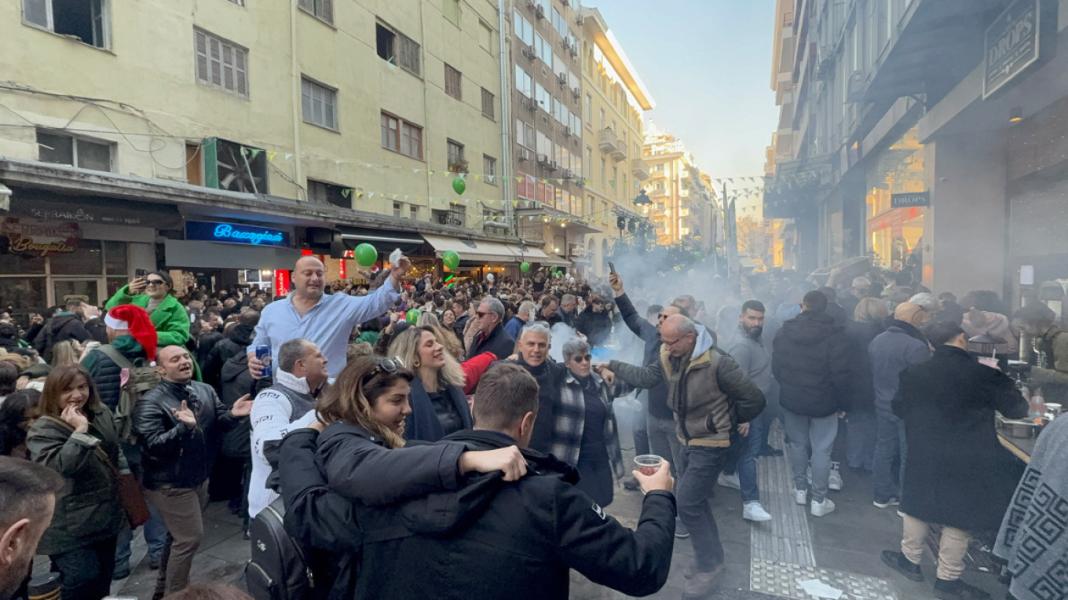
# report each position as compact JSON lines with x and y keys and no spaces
{"x":661,"y":317}
{"x":154,"y":282}
{"x":382,"y":365}
{"x":582,"y":358}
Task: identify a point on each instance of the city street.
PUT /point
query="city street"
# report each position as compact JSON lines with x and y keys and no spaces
{"x":764,"y":561}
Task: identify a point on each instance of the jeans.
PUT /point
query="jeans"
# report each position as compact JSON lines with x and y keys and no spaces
{"x":664,"y":442}
{"x":810,"y":438}
{"x":860,"y":440}
{"x":694,"y":490}
{"x":889,"y":447}
{"x":85,"y":573}
{"x":749,"y":450}
{"x":155,"y":537}
{"x":641,"y":431}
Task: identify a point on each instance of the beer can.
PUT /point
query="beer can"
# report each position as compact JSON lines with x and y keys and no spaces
{"x":263,"y":353}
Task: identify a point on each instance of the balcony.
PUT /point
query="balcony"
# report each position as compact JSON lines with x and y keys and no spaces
{"x":639,"y":168}
{"x":609,"y":142}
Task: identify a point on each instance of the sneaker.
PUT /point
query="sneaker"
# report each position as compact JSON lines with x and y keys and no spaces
{"x":701,"y":584}
{"x":680,"y":529}
{"x":631,"y":484}
{"x":153,"y":562}
{"x":897,"y":561}
{"x":901,"y":514}
{"x":892,"y":501}
{"x":801,"y":497}
{"x":730,"y":481}
{"x":820,"y":509}
{"x":769,"y":451}
{"x":753,"y":511}
{"x":957,"y":589}
{"x":834,"y":481}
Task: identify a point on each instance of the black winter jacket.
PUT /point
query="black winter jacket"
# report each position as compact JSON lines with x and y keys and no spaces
{"x":489,"y":539}
{"x":64,"y":326}
{"x":236,"y":341}
{"x":236,"y":382}
{"x":862,"y":394}
{"x":956,"y":472}
{"x":658,"y":406}
{"x":550,"y":377}
{"x":596,"y":326}
{"x":173,"y":455}
{"x":499,"y":343}
{"x":813,"y":366}
{"x":205,"y":342}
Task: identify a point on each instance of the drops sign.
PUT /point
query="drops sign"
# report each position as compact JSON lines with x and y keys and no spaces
{"x":235,"y":233}
{"x":1012,"y":44}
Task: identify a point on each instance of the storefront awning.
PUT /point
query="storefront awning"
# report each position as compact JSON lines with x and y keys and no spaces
{"x":472,"y":251}
{"x":537,"y":255}
{"x":383,"y":239}
{"x":210,"y":255}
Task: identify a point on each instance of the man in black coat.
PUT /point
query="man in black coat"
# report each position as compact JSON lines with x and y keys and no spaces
{"x":490,"y":539}
{"x":65,"y":324}
{"x":236,"y":341}
{"x":491,"y":336}
{"x":814,"y":368}
{"x":957,"y":475}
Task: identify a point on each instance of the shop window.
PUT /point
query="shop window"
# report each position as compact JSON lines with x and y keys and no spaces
{"x":115,"y":260}
{"x":60,"y":148}
{"x":86,"y":20}
{"x":27,"y":293}
{"x":20,"y":264}
{"x":88,"y":259}
{"x":86,"y":289}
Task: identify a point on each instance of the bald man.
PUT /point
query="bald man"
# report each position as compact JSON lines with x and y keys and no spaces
{"x":324,"y":320}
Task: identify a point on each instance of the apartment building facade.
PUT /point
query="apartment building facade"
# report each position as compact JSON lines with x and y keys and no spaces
{"x":130,"y":126}
{"x":684,"y":205}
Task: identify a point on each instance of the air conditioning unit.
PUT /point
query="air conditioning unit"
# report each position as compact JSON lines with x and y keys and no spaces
{"x":576,"y":92}
{"x":562,"y":80}
{"x":530,"y":104}
{"x":567,"y":174}
{"x":574,"y":50}
{"x":579,"y":19}
{"x":539,"y":11}
{"x":566,"y":43}
{"x":524,"y":154}
{"x":235,"y":167}
{"x":553,"y":166}
{"x":567,"y":131}
{"x":543,"y":159}
{"x":532,"y":4}
{"x":528,"y":53}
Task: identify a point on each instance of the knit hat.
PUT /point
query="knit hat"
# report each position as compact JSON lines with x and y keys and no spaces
{"x":127,"y":317}
{"x":910,"y":313}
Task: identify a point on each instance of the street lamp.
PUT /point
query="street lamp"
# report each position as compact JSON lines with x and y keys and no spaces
{"x":642,"y":199}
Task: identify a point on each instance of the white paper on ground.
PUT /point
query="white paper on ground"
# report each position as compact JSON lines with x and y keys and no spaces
{"x":818,"y":589}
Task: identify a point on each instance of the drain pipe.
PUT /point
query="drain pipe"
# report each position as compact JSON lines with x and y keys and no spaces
{"x":506,"y":180}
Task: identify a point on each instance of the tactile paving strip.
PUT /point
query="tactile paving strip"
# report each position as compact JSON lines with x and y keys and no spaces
{"x":786,"y":538}
{"x":784,"y":579}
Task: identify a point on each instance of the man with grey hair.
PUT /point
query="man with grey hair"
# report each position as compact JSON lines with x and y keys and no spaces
{"x":710,"y":395}
{"x":523,"y":315}
{"x":286,"y":405}
{"x":491,"y":336}
{"x":533,"y":355}
{"x":568,"y":309}
{"x":861,"y":288}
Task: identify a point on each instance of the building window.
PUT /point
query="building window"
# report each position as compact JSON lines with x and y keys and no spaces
{"x":485,"y":36}
{"x":86,"y":20}
{"x":319,"y":104}
{"x":401,"y":136}
{"x":321,"y":191}
{"x":221,"y":63}
{"x":60,"y":148}
{"x":238,"y":2}
{"x":398,"y":49}
{"x":523,"y":82}
{"x":453,"y":82}
{"x":413,"y":213}
{"x":589,"y":162}
{"x":524,"y":31}
{"x":488,"y":104}
{"x":455,"y":154}
{"x":524,"y":134}
{"x":397,"y":209}
{"x":489,"y":169}
{"x":450,"y":9}
{"x":320,"y":9}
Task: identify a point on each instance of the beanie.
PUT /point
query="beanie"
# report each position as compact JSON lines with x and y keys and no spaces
{"x":910,"y":313}
{"x":135,"y":320}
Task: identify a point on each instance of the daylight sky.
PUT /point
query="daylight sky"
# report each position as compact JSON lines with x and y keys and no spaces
{"x":707,"y":64}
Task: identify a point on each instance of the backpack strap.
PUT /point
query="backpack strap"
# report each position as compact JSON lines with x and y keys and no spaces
{"x":116,"y":356}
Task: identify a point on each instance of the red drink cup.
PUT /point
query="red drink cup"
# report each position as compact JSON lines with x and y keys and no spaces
{"x":648,"y":464}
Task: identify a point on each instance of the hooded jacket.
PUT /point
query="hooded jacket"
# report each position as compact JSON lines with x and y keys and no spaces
{"x":487,"y":539}
{"x":106,"y":375}
{"x":813,"y":366}
{"x":707,"y":391}
{"x":61,"y":327}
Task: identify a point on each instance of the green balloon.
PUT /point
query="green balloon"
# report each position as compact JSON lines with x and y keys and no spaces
{"x":412,"y":316}
{"x":450,"y":259}
{"x":524,"y":267}
{"x":366,"y":255}
{"x":459,"y":185}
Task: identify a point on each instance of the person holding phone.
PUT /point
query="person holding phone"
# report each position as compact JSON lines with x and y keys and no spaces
{"x":152,"y":292}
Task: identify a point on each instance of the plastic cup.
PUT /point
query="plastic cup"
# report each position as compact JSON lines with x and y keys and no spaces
{"x":648,"y":464}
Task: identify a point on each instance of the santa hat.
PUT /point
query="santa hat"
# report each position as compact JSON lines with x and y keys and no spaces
{"x":135,"y":320}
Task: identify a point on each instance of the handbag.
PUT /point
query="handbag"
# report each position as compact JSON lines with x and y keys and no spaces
{"x":131,"y":496}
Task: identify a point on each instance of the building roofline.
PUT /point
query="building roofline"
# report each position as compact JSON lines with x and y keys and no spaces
{"x":613,"y":52}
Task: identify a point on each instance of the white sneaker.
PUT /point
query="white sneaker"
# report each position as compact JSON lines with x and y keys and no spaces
{"x":819,"y":509}
{"x":753,"y":511}
{"x":730,"y":481}
{"x":801,"y":497}
{"x":834,"y":481}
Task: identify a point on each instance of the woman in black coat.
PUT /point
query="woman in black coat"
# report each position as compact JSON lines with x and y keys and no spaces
{"x":869,"y":320}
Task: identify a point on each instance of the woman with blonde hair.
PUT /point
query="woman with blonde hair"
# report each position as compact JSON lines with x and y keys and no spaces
{"x":67,"y":352}
{"x":439,"y":406}
{"x":447,"y":338}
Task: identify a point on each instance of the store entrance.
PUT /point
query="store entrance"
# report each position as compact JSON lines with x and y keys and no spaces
{"x":86,"y":289}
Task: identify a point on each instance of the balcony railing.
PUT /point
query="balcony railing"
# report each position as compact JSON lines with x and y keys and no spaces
{"x":639,"y":168}
{"x":609,"y":142}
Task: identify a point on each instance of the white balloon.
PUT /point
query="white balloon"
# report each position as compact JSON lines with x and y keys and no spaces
{"x":490,"y":277}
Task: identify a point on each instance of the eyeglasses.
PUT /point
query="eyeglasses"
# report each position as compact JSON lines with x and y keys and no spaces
{"x":154,"y":282}
{"x":582,"y":358}
{"x":661,"y":317}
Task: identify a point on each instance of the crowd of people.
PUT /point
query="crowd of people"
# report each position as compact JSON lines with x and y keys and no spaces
{"x":408,"y":426}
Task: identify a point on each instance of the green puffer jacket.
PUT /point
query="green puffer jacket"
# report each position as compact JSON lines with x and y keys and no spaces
{"x":88,"y":510}
{"x":170,"y":318}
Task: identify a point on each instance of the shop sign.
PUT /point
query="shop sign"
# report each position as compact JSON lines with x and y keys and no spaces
{"x":235,"y":233}
{"x":96,"y":211}
{"x":1011,"y":45}
{"x":39,"y":238}
{"x":910,"y":199}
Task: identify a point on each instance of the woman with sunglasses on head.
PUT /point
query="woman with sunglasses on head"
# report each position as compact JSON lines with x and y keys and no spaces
{"x":76,"y":436}
{"x":152,"y":292}
{"x":362,"y":449}
{"x":584,"y":431}
{"x":439,"y":406}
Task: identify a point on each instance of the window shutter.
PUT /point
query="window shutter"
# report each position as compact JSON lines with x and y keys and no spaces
{"x":35,"y":11}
